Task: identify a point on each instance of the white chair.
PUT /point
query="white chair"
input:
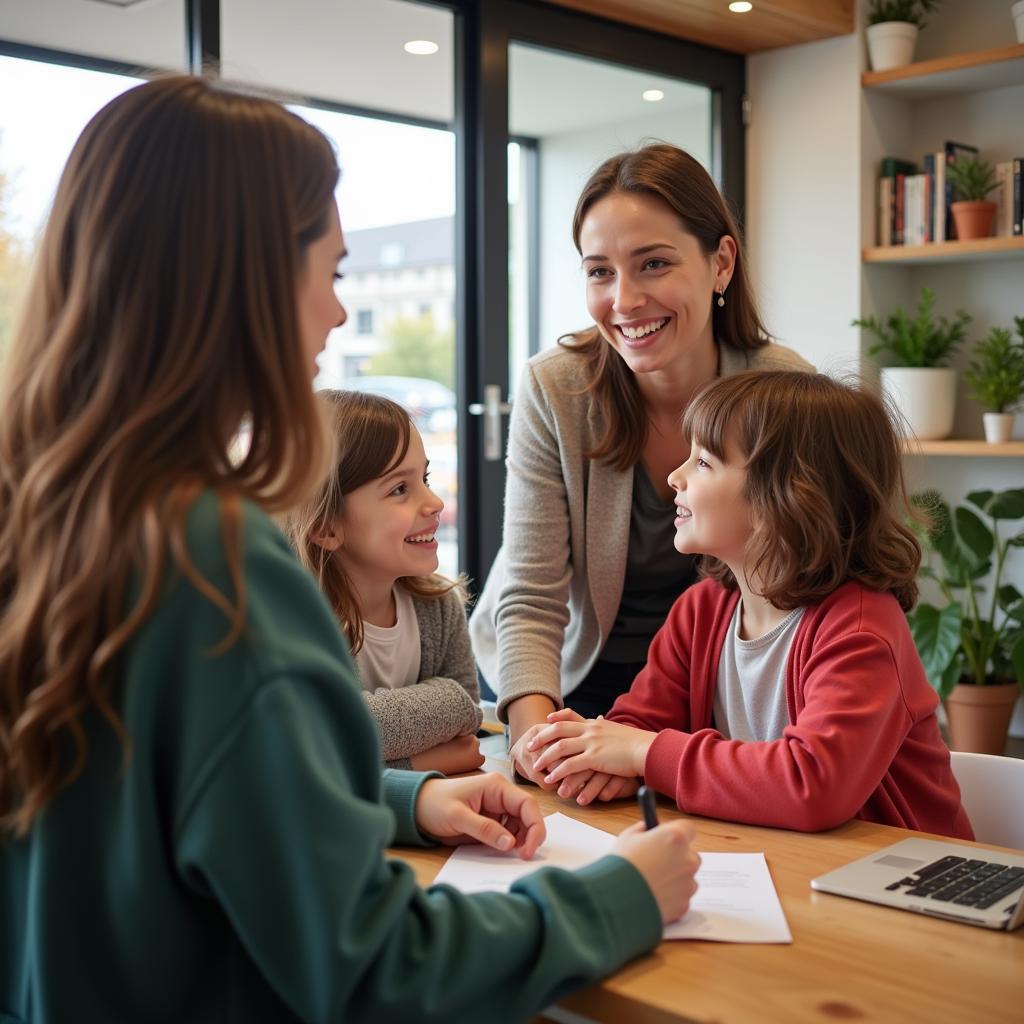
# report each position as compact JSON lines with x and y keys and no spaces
{"x":992,"y":790}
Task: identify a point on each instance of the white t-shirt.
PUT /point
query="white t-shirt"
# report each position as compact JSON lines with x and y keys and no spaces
{"x":750,"y":694}
{"x":390,"y":655}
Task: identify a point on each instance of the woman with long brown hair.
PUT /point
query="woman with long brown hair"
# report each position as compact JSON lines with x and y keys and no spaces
{"x":587,"y":571}
{"x":192,"y":814}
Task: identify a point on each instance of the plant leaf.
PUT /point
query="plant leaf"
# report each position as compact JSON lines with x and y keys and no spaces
{"x":1017,"y":659}
{"x":975,"y":539}
{"x":1007,"y":505}
{"x":937,"y":638}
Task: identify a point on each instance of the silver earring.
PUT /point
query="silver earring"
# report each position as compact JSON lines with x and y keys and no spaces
{"x":721,"y":297}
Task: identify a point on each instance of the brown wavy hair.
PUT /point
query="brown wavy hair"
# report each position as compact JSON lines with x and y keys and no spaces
{"x":672,"y":176}
{"x":161,"y":315}
{"x":824,"y":480}
{"x":371,"y":438}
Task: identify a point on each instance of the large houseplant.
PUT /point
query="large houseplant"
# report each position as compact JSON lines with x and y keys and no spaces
{"x":996,"y":378}
{"x":972,"y":646}
{"x":919,"y":382}
{"x":973,"y":212}
{"x":892,"y":30}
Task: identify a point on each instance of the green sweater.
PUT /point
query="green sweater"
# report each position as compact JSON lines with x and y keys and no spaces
{"x":233,"y":870}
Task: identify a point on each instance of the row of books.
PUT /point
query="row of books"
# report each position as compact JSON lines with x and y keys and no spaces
{"x":914,"y":203}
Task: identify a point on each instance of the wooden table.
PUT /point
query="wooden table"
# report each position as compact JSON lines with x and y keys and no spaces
{"x":849,"y":960}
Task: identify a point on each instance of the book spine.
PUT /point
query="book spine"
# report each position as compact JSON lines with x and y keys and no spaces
{"x":900,"y":205}
{"x":1003,"y":196}
{"x":939,"y":197}
{"x":1018,"y":196}
{"x":885,"y":211}
{"x":928,"y":164}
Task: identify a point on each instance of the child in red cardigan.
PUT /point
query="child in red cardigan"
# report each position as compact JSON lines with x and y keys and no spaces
{"x":785,"y":688}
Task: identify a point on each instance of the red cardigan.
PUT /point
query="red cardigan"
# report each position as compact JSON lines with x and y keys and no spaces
{"x":862,"y":741}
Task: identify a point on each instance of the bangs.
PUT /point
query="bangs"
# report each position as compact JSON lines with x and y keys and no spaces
{"x":709,"y":417}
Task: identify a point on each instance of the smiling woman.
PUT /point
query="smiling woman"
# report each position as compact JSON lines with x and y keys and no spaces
{"x":588,"y":571}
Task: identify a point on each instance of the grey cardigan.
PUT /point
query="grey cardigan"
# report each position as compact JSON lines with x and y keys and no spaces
{"x":551,"y":597}
{"x":445,"y":703}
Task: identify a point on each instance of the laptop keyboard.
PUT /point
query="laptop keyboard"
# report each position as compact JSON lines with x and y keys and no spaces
{"x":967,"y":883}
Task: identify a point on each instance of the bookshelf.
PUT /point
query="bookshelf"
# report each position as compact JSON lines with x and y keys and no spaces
{"x":973,"y":449}
{"x":974,"y":98}
{"x":972,"y":250}
{"x":953,"y":75}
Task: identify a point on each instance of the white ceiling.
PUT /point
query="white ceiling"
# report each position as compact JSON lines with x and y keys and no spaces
{"x":349,"y":52}
{"x":552,"y":92}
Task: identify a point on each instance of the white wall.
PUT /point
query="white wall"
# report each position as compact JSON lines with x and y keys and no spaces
{"x":803,"y":184}
{"x":812,"y":160}
{"x":567,"y":160}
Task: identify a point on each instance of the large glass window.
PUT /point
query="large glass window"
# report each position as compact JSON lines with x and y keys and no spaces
{"x":54,"y":103}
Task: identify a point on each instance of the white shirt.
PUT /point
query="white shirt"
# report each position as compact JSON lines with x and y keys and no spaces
{"x":750,"y":694}
{"x":390,"y":655}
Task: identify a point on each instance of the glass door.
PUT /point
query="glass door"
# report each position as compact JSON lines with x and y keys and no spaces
{"x":543,"y":95}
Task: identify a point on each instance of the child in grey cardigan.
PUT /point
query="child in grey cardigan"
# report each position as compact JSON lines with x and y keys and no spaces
{"x":368,"y":537}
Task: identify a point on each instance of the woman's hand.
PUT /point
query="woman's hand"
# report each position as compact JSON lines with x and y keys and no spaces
{"x":526,"y":717}
{"x":664,"y":857}
{"x":588,"y":786}
{"x":571,"y":744}
{"x":484,"y":809}
{"x":461,"y":754}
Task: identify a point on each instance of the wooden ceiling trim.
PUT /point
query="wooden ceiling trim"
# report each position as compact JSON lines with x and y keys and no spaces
{"x":771,"y":24}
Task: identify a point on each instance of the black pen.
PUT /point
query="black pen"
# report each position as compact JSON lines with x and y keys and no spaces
{"x":645,"y":798}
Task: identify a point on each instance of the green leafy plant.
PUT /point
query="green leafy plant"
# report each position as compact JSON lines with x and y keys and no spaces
{"x":996,"y":374}
{"x":971,"y":639}
{"x":972,"y":179}
{"x":923,"y":341}
{"x":913,"y":11}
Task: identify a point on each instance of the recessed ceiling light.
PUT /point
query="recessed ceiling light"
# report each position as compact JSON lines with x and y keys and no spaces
{"x":740,"y":7}
{"x":653,"y":95}
{"x":421,"y":47}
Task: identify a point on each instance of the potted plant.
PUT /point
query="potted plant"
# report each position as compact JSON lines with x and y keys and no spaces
{"x":972,"y":647}
{"x":996,"y":378}
{"x":919,"y":383}
{"x":892,"y":30}
{"x":972,"y":180}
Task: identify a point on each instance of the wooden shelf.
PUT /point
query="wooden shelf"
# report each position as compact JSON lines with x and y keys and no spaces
{"x":965,"y":448}
{"x":945,"y":76}
{"x":1003,"y":248}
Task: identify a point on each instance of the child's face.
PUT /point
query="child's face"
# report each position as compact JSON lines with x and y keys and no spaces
{"x":712,"y":515}
{"x":387,"y":526}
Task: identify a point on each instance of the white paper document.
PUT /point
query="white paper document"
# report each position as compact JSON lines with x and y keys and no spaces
{"x":735,"y":902}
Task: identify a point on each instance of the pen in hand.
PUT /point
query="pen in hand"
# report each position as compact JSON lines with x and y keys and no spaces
{"x":646,"y":798}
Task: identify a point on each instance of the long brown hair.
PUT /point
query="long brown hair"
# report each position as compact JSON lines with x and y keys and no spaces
{"x":371,"y":437}
{"x":824,"y":480}
{"x":672,"y":176}
{"x":161,"y":315}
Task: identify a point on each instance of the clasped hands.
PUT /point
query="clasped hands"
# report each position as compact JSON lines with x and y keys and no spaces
{"x":585,"y":759}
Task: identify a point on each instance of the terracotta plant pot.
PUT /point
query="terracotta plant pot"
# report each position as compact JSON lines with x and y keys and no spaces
{"x":979,"y":716}
{"x":973,"y":219}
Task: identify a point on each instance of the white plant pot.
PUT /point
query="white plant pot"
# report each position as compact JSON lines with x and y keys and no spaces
{"x":924,"y":398}
{"x":998,"y":425}
{"x":1018,"y":19}
{"x":891,"y":44}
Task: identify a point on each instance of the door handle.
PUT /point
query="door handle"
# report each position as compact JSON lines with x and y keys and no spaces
{"x":492,"y":408}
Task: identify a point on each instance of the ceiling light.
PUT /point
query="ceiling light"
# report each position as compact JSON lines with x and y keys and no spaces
{"x":653,"y":95}
{"x":421,"y":47}
{"x":740,"y":7}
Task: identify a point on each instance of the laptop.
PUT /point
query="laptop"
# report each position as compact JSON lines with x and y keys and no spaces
{"x":958,"y":883}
